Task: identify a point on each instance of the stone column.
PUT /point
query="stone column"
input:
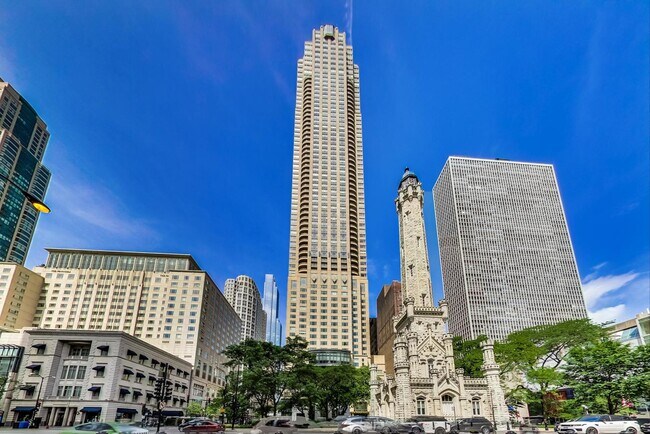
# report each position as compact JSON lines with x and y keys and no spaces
{"x":412,"y":338}
{"x":462,"y":398}
{"x":496,"y":397}
{"x":448,"y":340}
{"x":435,"y":393}
{"x":402,"y":378}
{"x":375,"y":408}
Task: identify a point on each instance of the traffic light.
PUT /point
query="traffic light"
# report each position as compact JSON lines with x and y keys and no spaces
{"x":167,"y":395}
{"x":158,"y":391}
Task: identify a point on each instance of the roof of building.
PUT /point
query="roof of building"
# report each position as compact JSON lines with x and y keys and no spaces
{"x":408,"y":174}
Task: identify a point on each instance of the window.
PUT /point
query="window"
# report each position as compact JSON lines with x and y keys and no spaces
{"x":421,"y":406}
{"x":476,"y":407}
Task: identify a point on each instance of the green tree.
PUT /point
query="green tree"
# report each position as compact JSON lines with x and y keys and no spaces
{"x":303,"y":390}
{"x":232,"y":399}
{"x":537,"y":352}
{"x":607,"y":371}
{"x":194,"y":408}
{"x":267,"y":369}
{"x":468,"y":355}
{"x":342,"y":386}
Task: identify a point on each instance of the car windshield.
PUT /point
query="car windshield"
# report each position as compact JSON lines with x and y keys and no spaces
{"x":589,"y":419}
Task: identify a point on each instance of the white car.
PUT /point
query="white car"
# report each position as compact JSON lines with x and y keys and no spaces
{"x":600,"y":424}
{"x":363,"y":424}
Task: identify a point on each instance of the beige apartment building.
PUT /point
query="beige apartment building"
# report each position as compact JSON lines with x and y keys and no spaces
{"x":20,"y":290}
{"x":67,"y":377}
{"x":244,"y":296}
{"x":163,"y":299}
{"x":327,"y":294}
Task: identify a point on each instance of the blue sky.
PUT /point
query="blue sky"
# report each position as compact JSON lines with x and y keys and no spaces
{"x":172,"y":121}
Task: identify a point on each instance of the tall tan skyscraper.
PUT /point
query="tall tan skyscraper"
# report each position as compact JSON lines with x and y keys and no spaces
{"x":327,"y":302}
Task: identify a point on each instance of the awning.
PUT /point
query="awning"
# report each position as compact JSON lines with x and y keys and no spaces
{"x":33,"y":367}
{"x":125,"y":391}
{"x":37,"y":346}
{"x":143,"y":357}
{"x":179,"y":371}
{"x":103,"y":348}
{"x":154,"y":362}
{"x":127,"y":410}
{"x":137,"y":393}
{"x":131,"y":353}
{"x":176,"y":413}
{"x":27,"y":387}
{"x":128,"y":371}
{"x":91,"y":410}
{"x":99,"y":367}
{"x":23,"y":409}
{"x":183,"y":386}
{"x":177,"y":384}
{"x":140,"y":375}
{"x":95,"y":388}
{"x":149,"y":395}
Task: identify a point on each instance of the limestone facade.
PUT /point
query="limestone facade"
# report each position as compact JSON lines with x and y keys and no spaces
{"x":425,"y":380}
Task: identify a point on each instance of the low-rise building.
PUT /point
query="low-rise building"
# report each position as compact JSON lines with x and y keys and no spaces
{"x":633,"y":332}
{"x":68,"y":377}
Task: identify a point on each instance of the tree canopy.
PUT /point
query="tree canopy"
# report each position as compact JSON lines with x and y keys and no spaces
{"x":537,"y":352}
{"x":608,"y":372}
{"x":271,"y":378}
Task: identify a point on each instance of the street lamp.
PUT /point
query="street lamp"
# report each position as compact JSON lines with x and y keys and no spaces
{"x":36,"y":203}
{"x":37,"y":406}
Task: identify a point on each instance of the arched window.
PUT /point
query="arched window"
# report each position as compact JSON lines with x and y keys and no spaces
{"x":447,"y":398}
{"x":420,"y":406}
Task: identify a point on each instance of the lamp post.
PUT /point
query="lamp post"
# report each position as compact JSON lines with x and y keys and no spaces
{"x":37,"y":406}
{"x":33,"y":200}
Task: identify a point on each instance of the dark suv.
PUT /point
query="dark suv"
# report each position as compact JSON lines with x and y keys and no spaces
{"x":473,"y":425}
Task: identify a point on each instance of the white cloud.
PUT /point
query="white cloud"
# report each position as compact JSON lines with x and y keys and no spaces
{"x":612,"y":313}
{"x":85,"y":214}
{"x":95,"y":206}
{"x":598,"y":287}
{"x":615,"y":297}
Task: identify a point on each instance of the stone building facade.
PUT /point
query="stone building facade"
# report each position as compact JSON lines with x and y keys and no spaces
{"x":425,"y":380}
{"x":67,"y":377}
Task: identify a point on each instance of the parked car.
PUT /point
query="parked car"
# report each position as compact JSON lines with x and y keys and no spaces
{"x":203,"y":426}
{"x":361,"y":424}
{"x":280,"y":425}
{"x":190,"y":421}
{"x":430,"y":424}
{"x":600,"y":424}
{"x":475,"y":424}
{"x":106,"y":427}
{"x":644,"y":423}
